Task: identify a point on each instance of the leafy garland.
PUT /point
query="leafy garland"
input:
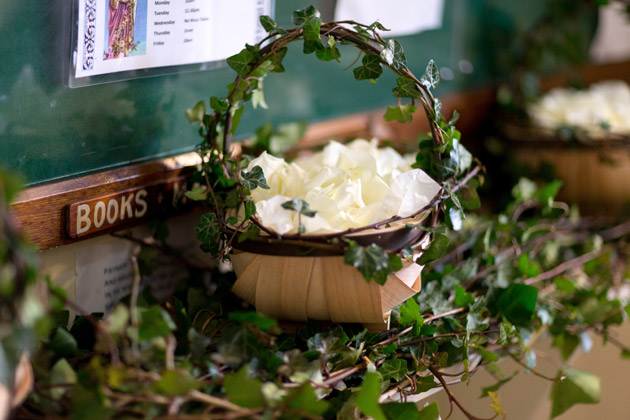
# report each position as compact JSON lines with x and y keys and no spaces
{"x":226,"y":186}
{"x":489,"y":286}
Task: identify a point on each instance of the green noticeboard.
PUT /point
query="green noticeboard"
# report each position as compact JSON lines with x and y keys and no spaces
{"x":50,"y":132}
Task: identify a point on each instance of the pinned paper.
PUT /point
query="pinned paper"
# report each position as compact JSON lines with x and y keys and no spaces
{"x":402,"y":17}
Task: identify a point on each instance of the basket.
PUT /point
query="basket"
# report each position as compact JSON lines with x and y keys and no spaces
{"x":284,"y":284}
{"x":300,"y":277}
{"x":595,"y":172}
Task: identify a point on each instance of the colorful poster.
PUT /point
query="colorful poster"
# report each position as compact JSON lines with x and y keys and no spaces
{"x":124,"y":35}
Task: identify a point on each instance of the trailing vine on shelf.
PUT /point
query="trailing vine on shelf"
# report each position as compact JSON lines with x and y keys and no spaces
{"x":490,"y":284}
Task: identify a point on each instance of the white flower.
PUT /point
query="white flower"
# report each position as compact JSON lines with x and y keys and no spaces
{"x":605,"y":103}
{"x":348,"y":187}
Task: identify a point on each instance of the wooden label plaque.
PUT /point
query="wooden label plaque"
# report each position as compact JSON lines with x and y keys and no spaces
{"x":121,"y":208}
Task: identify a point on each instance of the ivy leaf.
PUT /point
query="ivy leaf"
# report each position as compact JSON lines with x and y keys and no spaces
{"x":439,"y":246}
{"x":574,"y":387}
{"x":276,"y":60}
{"x":431,"y":76}
{"x":369,"y":260}
{"x":300,"y":206}
{"x":370,"y":69}
{"x":254,"y":179}
{"x":196,"y":113}
{"x":61,"y":373}
{"x":244,"y":391}
{"x":517,"y":303}
{"x":255,"y":318}
{"x":312,"y":41}
{"x":197,"y":194}
{"x":378,"y":25}
{"x":240,"y":62}
{"x":174,"y":383}
{"x":394,"y":264}
{"x":219,"y":105}
{"x":394,"y":55}
{"x":367,"y":400}
{"x":154,"y":322}
{"x":485,"y":391}
{"x":252,"y":232}
{"x":208,"y":232}
{"x":462,"y":297}
{"x":409,"y":411}
{"x":237,"y":113}
{"x":410,"y":315}
{"x":402,"y":114}
{"x":270,"y":25}
{"x":250,"y":208}
{"x":406,"y":88}
{"x":304,"y":400}
{"x":302,"y":15}
{"x":395,"y":369}
{"x":496,"y":404}
{"x":63,"y":343}
{"x":329,"y":53}
{"x":425,"y":383}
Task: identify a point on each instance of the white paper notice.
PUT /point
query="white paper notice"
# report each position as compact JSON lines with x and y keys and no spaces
{"x":104,"y":274}
{"x":402,"y":17}
{"x":122,"y":35}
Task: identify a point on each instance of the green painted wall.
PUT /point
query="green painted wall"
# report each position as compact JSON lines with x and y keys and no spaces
{"x":51,"y":132}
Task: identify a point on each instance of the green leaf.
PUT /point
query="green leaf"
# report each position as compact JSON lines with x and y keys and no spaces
{"x":208,"y":232}
{"x":300,"y":206}
{"x":431,"y":76}
{"x":369,"y":260}
{"x":154,"y":322}
{"x":237,"y":113}
{"x":402,"y":114}
{"x":219,"y":105}
{"x":517,"y":303}
{"x":312,"y":41}
{"x":255,"y":318}
{"x":276,"y":60}
{"x":563,"y":284}
{"x":244,"y":391}
{"x":240,"y":62}
{"x":367,"y":400}
{"x":371,"y":68}
{"x":328,"y":53}
{"x":254,"y":179}
{"x":176,"y":382}
{"x":250,"y":208}
{"x":302,"y":15}
{"x":494,"y":388}
{"x":409,"y":411}
{"x":196,"y":113}
{"x":462,"y":297}
{"x":395,"y":369}
{"x":252,"y":232}
{"x":270,"y":25}
{"x":197,"y":194}
{"x":61,"y":373}
{"x":63,"y":343}
{"x":304,"y":400}
{"x":439,"y":246}
{"x":406,"y":88}
{"x":394,"y":55}
{"x":410,"y":315}
{"x":574,"y":387}
{"x":425,"y":383}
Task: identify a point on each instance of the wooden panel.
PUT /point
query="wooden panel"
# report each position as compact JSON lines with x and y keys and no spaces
{"x":43,"y":211}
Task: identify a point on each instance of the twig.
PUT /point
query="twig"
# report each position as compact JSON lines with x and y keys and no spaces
{"x":519,"y":362}
{"x":565,"y":266}
{"x":451,"y":397}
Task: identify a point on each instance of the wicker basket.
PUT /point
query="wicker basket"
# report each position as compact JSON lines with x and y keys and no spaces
{"x":595,"y":172}
{"x":280,"y":282}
